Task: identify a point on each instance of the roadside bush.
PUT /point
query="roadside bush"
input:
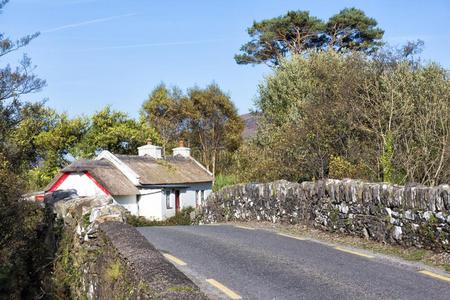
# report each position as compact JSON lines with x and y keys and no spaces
{"x":327,"y":114}
{"x":181,"y":218}
{"x":25,"y":253}
{"x":221,"y":181}
{"x":340,"y":168}
{"x":25,"y":245}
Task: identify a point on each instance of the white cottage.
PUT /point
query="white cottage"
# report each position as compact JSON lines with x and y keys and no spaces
{"x":146,"y":184}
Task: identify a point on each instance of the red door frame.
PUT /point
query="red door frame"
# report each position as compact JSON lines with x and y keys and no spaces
{"x":177,"y":200}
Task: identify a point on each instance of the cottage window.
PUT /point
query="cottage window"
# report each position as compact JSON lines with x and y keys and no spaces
{"x":168,"y":205}
{"x":203,"y":196}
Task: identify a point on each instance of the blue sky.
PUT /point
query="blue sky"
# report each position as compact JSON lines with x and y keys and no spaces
{"x":98,"y":52}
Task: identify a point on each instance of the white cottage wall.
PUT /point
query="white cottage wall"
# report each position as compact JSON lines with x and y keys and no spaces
{"x":150,"y":204}
{"x":129,"y":202}
{"x":82,"y":184}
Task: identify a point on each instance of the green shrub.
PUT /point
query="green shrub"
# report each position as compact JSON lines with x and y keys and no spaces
{"x":340,"y":168}
{"x":25,"y":252}
{"x":181,"y":218}
{"x":221,"y":181}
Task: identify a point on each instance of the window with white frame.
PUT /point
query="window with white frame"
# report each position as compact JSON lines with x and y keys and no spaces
{"x":203,"y":197}
{"x":168,"y":204}
{"x":197,"y":198}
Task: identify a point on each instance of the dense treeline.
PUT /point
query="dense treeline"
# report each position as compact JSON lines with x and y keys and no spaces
{"x":205,"y":119}
{"x":383,"y":117}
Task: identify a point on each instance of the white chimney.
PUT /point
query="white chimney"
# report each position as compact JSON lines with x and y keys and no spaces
{"x":150,"y":150}
{"x":181,"y":150}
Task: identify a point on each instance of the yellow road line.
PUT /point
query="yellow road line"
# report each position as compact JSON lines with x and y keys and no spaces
{"x":174,"y":259}
{"x":353,"y":252}
{"x":434,"y":275}
{"x":292,"y":236}
{"x":244,"y":227}
{"x":231,"y":294}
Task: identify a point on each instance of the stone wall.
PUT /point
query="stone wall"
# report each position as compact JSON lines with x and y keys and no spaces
{"x":101,"y":257}
{"x":406,"y":215}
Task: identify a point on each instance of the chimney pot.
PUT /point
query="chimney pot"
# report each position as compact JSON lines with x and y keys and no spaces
{"x":181,"y":150}
{"x":150,"y":150}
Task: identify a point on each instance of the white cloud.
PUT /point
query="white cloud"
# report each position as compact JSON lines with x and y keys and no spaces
{"x":145,"y":45}
{"x":88,"y":22}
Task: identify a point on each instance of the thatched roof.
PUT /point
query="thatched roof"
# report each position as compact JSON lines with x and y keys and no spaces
{"x":168,"y":171}
{"x":104,"y":172}
{"x":171,"y":170}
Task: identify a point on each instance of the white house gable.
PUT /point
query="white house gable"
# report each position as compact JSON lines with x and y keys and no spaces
{"x":83,"y":184}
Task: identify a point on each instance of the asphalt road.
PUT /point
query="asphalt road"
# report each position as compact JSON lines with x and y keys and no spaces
{"x":260,"y":264}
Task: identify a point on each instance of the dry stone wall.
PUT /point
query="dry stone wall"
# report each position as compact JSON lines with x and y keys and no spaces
{"x":101,"y":257}
{"x":407,"y":215}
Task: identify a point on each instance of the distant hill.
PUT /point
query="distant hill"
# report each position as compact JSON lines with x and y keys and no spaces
{"x":249,"y":126}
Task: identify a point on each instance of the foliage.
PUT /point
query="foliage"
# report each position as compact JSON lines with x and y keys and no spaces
{"x":113,"y":131}
{"x":214,"y":127}
{"x":386,"y":158}
{"x":162,"y":111}
{"x":206,"y":118}
{"x":24,"y":256}
{"x":51,"y":140}
{"x":65,"y":273}
{"x":52,"y":136}
{"x":181,"y":218}
{"x":114,"y":271}
{"x":383,"y":117}
{"x":297,"y":31}
{"x":340,"y":168}
{"x":221,"y":181}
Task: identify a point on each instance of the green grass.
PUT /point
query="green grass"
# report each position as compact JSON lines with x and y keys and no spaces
{"x":114,"y":271}
{"x":447,"y":267}
{"x":86,"y":218}
{"x":180,"y":289}
{"x":414,"y":255}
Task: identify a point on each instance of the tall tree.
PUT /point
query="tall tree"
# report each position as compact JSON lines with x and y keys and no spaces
{"x":206,"y":118}
{"x":351,"y":29}
{"x":162,"y":111}
{"x":297,"y":31}
{"x":213,"y":123}
{"x":14,"y":83}
{"x":275,"y":38}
